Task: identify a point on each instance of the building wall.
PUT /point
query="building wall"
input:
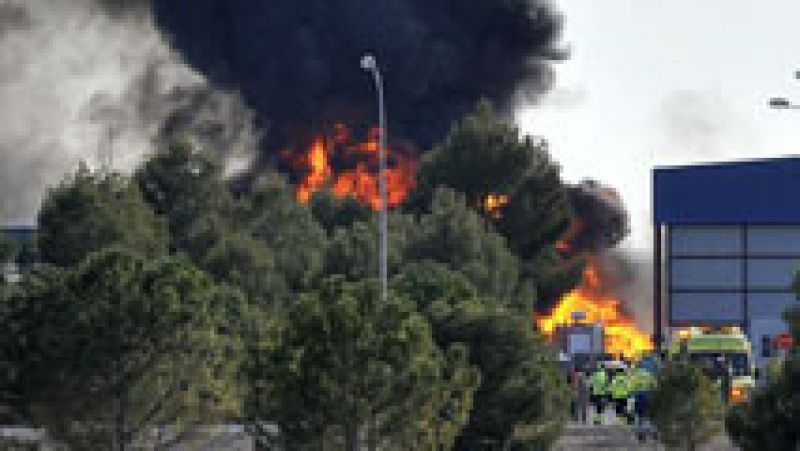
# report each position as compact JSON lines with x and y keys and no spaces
{"x":732,"y":274}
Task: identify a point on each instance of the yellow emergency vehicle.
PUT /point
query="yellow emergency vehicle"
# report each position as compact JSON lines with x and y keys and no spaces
{"x":719,"y":349}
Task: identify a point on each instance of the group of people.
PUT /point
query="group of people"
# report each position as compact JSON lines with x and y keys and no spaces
{"x":626,"y":388}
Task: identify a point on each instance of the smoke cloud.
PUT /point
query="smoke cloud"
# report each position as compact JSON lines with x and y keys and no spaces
{"x":602,"y":220}
{"x":703,"y":126}
{"x":296,"y":62}
{"x":602,"y":223}
{"x":95,"y":81}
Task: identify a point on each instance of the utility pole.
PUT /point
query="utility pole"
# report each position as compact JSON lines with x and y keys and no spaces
{"x":369,"y":64}
{"x":783,"y":103}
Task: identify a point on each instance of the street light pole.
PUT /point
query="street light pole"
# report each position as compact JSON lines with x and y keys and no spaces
{"x":782,"y":103}
{"x":369,"y":64}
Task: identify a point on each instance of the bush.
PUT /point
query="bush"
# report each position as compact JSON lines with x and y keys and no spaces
{"x":771,"y":419}
{"x":687,"y":407}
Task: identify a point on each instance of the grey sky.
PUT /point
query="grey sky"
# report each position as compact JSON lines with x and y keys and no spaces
{"x":654,"y":82}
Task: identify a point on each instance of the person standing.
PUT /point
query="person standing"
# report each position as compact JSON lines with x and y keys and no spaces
{"x":583,"y":391}
{"x":620,"y":391}
{"x":599,"y":388}
{"x":642,"y":383}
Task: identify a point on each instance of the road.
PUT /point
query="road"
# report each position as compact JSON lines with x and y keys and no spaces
{"x":613,"y":435}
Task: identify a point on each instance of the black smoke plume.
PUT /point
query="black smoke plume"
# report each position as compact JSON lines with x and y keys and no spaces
{"x":296,"y":62}
{"x":601,"y":220}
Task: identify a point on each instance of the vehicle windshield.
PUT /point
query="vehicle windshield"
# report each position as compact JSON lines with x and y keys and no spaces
{"x":739,"y":361}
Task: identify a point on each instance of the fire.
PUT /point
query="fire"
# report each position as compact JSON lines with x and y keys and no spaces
{"x":493,"y":204}
{"x":621,"y":336}
{"x":359,"y":174}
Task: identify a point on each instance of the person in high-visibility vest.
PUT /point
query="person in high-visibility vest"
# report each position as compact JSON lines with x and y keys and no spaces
{"x":599,"y":388}
{"x":642,"y":383}
{"x":620,"y":391}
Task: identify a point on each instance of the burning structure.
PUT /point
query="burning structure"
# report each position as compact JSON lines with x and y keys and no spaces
{"x":601,"y":222}
{"x":349,"y":168}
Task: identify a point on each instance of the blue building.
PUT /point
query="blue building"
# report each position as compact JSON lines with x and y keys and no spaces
{"x":726,"y":247}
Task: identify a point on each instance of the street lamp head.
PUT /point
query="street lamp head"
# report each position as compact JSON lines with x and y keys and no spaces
{"x":368,"y":62}
{"x":779,"y":102}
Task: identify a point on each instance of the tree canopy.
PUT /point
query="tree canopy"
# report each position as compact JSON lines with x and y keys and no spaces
{"x":686,"y":406}
{"x":348,"y":361}
{"x":168,"y":300}
{"x":106,"y":351}
{"x":770,"y":419}
{"x":90,"y":211}
{"x":486,"y":156}
{"x":522,"y":397}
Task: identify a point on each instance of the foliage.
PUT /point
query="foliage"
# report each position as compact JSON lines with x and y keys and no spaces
{"x":288,"y":229}
{"x":333,"y":212}
{"x":8,"y":249}
{"x":770,"y":420}
{"x":353,"y":250}
{"x":102,"y":353}
{"x":184,"y":184}
{"x":687,"y":406}
{"x":485,"y":155}
{"x":428,"y":281}
{"x":452,"y":234}
{"x":455,"y":235}
{"x":241,"y":261}
{"x":522,"y":397}
{"x":89,"y":212}
{"x":348,"y":361}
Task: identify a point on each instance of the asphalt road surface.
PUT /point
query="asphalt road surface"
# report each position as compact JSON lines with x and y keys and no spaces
{"x":613,"y":435}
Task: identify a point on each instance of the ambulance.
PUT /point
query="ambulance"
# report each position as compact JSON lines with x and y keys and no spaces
{"x":718,"y":350}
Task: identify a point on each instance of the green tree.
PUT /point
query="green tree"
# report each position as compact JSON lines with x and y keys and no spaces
{"x":184,"y":185}
{"x":288,"y":229}
{"x":770,"y":419}
{"x":8,"y":249}
{"x":427,"y":281}
{"x":347,"y":361}
{"x":353,"y":250}
{"x":522,"y":398}
{"x":101,"y":354}
{"x":455,"y":235}
{"x":88,"y":212}
{"x":686,"y":407}
{"x":485,"y":155}
{"x":333,"y":212}
{"x":242,"y":261}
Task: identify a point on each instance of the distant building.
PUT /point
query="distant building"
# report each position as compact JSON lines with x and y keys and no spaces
{"x":726,"y":246}
{"x":23,"y":236}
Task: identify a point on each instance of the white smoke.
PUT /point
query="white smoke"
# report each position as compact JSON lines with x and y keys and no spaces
{"x":81,"y":81}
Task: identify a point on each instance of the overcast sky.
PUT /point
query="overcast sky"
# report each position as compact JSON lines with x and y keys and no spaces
{"x":653,"y":82}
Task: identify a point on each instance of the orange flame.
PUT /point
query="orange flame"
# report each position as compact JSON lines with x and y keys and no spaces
{"x":621,"y":336}
{"x":359,"y":180}
{"x":494,"y":203}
